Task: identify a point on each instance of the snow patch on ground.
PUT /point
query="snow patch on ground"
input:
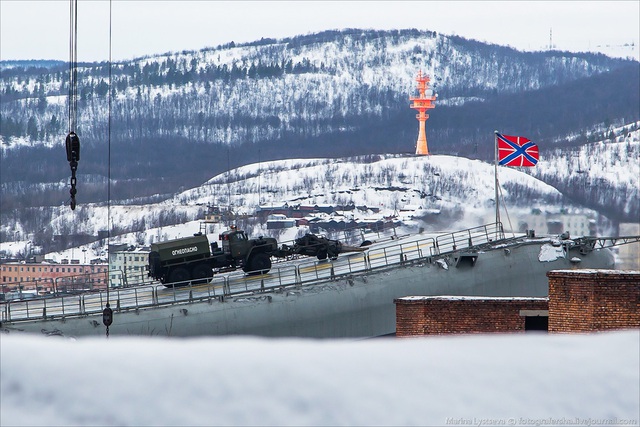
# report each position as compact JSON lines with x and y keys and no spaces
{"x":423,"y":381}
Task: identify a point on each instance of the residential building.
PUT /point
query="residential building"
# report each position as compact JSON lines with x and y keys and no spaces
{"x":128,"y":265}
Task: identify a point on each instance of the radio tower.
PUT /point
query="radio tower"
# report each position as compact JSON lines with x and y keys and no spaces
{"x":422,"y":103}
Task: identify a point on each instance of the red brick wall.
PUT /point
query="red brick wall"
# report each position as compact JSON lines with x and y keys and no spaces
{"x":593,"y":300}
{"x":458,"y":315}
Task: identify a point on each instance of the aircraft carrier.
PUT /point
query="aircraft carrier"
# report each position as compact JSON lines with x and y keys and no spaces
{"x":349,"y":297}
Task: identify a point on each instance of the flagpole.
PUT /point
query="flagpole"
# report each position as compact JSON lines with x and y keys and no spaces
{"x":495,"y":174}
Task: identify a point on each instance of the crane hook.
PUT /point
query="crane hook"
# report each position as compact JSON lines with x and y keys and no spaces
{"x":73,"y":156}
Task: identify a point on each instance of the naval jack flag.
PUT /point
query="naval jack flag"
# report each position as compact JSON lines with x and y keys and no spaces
{"x":516,"y":150}
{"x":512,"y":151}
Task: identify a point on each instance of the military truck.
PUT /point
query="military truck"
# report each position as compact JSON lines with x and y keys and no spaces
{"x":194,"y":259}
{"x":318,"y":246}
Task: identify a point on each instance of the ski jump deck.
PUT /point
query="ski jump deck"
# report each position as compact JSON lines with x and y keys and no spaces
{"x":349,"y":297}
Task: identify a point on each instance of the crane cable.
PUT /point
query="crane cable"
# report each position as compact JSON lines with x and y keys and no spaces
{"x":72,"y":141}
{"x":107,"y":313}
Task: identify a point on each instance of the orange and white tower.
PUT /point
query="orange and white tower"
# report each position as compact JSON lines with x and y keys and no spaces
{"x":422,"y":103}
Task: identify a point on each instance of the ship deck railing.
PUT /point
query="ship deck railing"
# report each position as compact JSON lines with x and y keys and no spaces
{"x":284,"y":277}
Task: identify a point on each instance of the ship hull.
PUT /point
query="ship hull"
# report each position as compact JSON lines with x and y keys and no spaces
{"x":351,"y":306}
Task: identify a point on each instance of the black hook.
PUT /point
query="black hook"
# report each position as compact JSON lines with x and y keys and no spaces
{"x":73,"y":156}
{"x":107,"y":317}
{"x":73,"y":147}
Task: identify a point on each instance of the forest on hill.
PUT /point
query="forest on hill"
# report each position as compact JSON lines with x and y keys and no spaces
{"x":180,"y":118}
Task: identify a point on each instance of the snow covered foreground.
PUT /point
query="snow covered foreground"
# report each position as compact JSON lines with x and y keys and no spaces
{"x":532,"y":379}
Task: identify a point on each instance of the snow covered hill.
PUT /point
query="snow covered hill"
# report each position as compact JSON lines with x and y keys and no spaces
{"x":437,"y":192}
{"x":180,"y":118}
{"x":434,"y":192}
{"x":604,"y":173}
{"x":388,"y":182}
{"x":310,"y":84}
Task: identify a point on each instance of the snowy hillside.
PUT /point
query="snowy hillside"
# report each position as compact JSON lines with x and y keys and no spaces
{"x":262,"y":91}
{"x":491,"y":380}
{"x":598,"y":168}
{"x":154,"y":126}
{"x":387,"y":182}
{"x":437,"y":192}
{"x":434,"y":192}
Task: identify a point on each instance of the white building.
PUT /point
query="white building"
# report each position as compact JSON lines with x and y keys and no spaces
{"x":576,"y":223}
{"x":128,"y":265}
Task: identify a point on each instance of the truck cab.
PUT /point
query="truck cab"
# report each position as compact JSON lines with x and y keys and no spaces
{"x":235,"y":242}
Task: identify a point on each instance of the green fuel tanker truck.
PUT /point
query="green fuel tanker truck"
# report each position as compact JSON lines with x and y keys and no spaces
{"x":180,"y":261}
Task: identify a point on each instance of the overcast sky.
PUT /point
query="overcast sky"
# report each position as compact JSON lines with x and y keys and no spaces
{"x":40,"y":29}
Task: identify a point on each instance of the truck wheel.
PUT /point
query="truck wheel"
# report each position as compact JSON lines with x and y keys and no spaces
{"x":322,"y":254}
{"x":179,"y":274}
{"x":260,"y":263}
{"x":201,"y":274}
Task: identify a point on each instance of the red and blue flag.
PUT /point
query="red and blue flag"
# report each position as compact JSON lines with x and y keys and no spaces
{"x":516,"y":151}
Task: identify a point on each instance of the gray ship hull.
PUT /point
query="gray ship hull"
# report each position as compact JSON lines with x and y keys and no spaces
{"x":352,"y":305}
